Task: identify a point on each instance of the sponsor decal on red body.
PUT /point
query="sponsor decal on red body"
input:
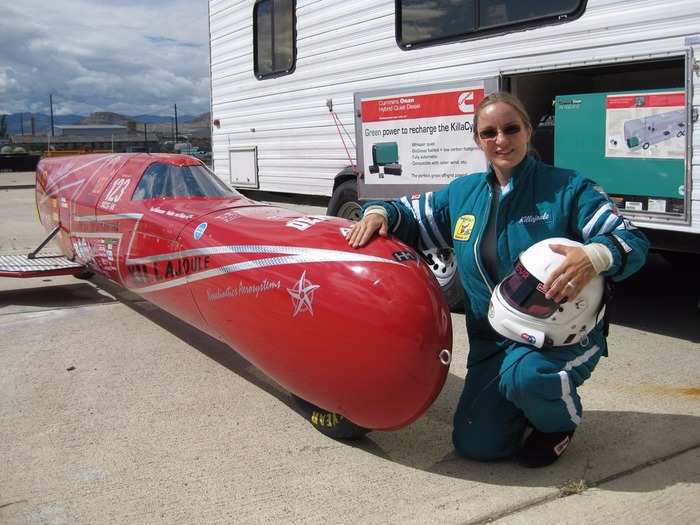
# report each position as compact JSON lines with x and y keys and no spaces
{"x":302,"y":294}
{"x":164,"y":270}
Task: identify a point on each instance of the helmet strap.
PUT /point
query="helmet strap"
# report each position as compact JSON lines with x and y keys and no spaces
{"x":608,"y":293}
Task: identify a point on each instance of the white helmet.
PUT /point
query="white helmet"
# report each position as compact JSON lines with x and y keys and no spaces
{"x":520,"y":311}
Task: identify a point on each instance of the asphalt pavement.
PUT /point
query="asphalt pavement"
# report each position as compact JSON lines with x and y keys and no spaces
{"x":113,"y":411}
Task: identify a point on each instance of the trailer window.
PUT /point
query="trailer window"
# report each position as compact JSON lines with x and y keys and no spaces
{"x":167,"y":180}
{"x":274,"y":38}
{"x":425,"y":22}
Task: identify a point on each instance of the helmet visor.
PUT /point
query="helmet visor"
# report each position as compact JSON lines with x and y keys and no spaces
{"x":524,"y":292}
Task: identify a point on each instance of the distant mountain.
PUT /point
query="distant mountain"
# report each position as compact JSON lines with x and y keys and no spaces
{"x":42,"y":122}
{"x":105,"y":117}
{"x":188,"y":118}
{"x":157,"y":119}
{"x":203,"y":119}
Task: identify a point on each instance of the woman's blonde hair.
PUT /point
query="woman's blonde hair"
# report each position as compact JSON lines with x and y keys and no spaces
{"x":507,"y":98}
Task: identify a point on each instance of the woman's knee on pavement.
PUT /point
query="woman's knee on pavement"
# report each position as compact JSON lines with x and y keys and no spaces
{"x":481,"y":443}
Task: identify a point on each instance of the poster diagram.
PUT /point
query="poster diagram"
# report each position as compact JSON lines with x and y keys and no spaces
{"x":649,"y":125}
{"x":420,"y":137}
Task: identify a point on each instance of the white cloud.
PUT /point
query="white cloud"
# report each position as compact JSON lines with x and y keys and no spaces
{"x":125,"y":56}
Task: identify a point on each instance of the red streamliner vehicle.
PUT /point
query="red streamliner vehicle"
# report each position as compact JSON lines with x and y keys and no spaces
{"x":362,"y":337}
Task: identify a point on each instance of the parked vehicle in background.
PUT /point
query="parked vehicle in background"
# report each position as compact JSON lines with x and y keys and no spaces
{"x":185,"y":148}
{"x":310,"y":97}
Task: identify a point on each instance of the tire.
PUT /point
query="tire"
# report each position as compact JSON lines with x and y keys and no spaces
{"x":84,"y":275}
{"x":344,"y":202}
{"x":444,"y":266}
{"x":329,"y":424}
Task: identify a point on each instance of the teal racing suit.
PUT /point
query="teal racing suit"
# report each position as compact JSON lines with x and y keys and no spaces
{"x":511,"y":384}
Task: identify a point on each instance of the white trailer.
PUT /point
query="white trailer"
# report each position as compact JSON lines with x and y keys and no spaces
{"x":278,"y":68}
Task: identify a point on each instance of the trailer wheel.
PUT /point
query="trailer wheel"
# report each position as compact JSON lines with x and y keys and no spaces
{"x":329,"y":424}
{"x":344,"y":202}
{"x":444,"y":266}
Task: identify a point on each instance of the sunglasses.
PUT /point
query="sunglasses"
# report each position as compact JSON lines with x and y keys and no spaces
{"x":492,"y":133}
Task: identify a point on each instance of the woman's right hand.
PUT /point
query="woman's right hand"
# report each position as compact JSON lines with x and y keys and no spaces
{"x":361,"y":232}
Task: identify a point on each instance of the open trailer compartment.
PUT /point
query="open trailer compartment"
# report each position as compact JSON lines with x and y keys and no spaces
{"x":626,"y":125}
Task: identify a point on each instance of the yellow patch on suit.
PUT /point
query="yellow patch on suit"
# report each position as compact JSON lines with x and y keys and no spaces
{"x":464,"y":227}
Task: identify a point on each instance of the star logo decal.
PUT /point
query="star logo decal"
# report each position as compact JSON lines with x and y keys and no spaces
{"x":302,"y":294}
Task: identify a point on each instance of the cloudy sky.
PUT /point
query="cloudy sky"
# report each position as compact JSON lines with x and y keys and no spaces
{"x":127,"y":56}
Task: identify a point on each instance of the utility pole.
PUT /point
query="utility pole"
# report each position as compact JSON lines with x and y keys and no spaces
{"x":21,"y":123}
{"x":145,"y":137}
{"x":51,"y":105}
{"x":33,"y":121}
{"x":172,"y":129}
{"x":176,"y":131}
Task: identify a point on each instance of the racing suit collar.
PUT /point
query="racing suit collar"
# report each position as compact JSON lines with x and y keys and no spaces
{"x":519,"y":175}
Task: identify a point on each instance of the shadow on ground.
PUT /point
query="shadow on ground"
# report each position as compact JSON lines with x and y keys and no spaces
{"x":207,"y":345}
{"x":608,"y":446}
{"x":46,"y":297}
{"x":661,"y":298}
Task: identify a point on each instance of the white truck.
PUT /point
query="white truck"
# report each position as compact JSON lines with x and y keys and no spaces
{"x":343,"y":98}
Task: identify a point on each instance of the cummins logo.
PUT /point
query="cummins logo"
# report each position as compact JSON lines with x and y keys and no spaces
{"x":465,"y":102}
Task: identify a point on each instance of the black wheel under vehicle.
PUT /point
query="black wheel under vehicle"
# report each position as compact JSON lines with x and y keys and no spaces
{"x":328,"y":423}
{"x":84,"y":274}
{"x":344,"y":202}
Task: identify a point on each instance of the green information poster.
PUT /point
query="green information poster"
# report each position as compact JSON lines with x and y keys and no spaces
{"x":632,"y":144}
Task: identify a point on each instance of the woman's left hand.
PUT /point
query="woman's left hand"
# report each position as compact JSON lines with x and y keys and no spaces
{"x":572,"y":275}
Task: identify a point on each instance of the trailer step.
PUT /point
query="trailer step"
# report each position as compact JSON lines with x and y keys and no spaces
{"x":23,"y":266}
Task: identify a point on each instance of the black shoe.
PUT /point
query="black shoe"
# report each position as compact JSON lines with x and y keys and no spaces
{"x":543,"y":448}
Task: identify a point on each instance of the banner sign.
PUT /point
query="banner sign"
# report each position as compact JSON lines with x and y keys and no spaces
{"x":420,"y":137}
